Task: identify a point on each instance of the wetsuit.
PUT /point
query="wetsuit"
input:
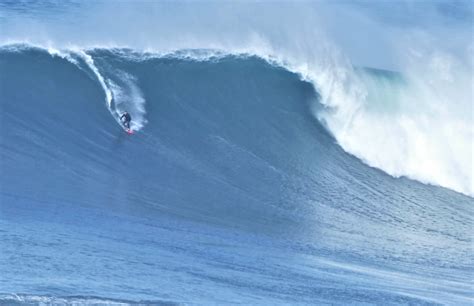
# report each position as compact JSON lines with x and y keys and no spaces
{"x":126,"y":118}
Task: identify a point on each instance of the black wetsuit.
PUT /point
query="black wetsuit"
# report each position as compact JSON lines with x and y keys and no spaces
{"x":126,"y":118}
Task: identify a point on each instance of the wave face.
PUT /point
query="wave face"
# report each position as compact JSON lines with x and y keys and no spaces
{"x":420,"y":128}
{"x":231,"y":190}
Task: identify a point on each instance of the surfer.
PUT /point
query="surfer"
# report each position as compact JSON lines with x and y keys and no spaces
{"x":126,"y":118}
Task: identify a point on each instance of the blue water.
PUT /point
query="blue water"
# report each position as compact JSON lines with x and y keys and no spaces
{"x":231,"y":191}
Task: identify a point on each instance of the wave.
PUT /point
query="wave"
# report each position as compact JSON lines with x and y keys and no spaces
{"x":231,"y":153}
{"x":284,"y":154}
{"x":421,"y":129}
{"x":401,"y":124}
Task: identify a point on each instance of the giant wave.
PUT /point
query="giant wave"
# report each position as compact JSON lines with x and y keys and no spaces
{"x":398,"y":123}
{"x":230,"y":147}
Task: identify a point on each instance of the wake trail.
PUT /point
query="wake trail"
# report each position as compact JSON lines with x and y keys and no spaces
{"x":122,"y":94}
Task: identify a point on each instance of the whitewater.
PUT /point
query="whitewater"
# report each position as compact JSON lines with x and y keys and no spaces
{"x":263,"y":169}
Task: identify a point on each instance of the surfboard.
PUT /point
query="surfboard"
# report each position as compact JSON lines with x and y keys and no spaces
{"x":129,"y":131}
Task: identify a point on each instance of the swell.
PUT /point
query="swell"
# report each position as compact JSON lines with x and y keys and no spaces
{"x":402,"y":125}
{"x":229,"y":140}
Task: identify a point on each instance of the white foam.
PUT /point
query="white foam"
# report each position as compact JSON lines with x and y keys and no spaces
{"x":90,"y":63}
{"x":12,"y":298}
{"x":426,"y":135}
{"x":62,"y":54}
{"x":128,"y":97}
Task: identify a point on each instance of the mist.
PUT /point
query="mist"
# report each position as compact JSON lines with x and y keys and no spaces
{"x":369,"y":34}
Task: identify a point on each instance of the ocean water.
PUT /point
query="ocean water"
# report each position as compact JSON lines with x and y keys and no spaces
{"x":244,"y":182}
